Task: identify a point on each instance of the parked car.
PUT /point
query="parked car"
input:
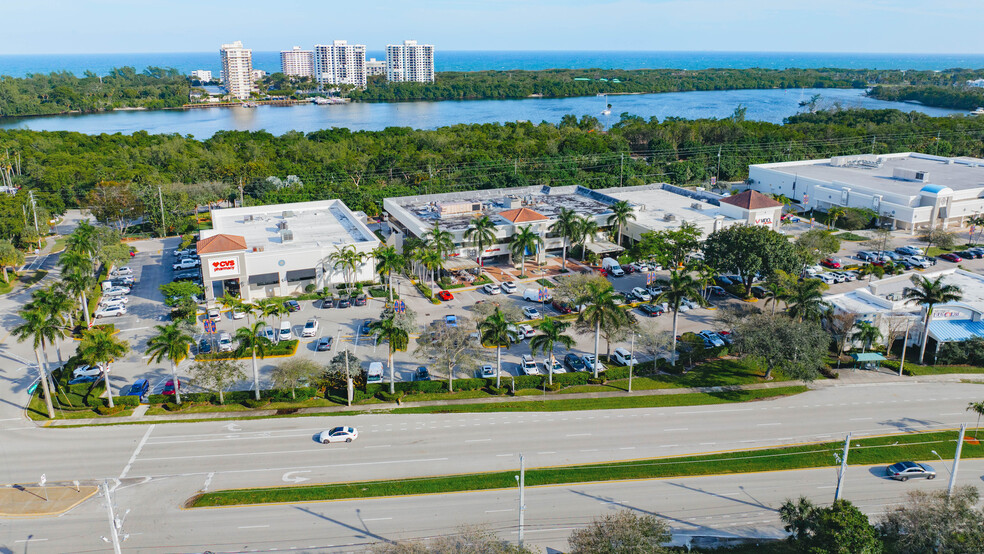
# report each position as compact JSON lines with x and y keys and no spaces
{"x":827,"y":278}
{"x":624,"y":357}
{"x":375,"y":373}
{"x":122,"y":271}
{"x":344,"y":302}
{"x":186,"y":263}
{"x":238,"y":313}
{"x":310,"y":328}
{"x":651,"y":310}
{"x":421,"y":374}
{"x":641,"y":294}
{"x":83,"y":379}
{"x":526,"y":330}
{"x":139,"y":388}
{"x":86,"y":370}
{"x":977,"y":252}
{"x":492,"y":288}
{"x":486,"y":372}
{"x":284,"y":333}
{"x":508,"y":287}
{"x":127,"y":282}
{"x":589,"y":362}
{"x":213,"y":314}
{"x":890,"y":255}
{"x":324,"y":344}
{"x":451,"y":320}
{"x":517,"y":335}
{"x":533,"y":295}
{"x":723,"y":281}
{"x":338,"y":434}
{"x":445,"y":296}
{"x":832,"y":263}
{"x":169,"y":387}
{"x":117,"y":302}
{"x":527,"y":366}
{"x":530,"y":312}
{"x":366,"y":327}
{"x":225,"y":342}
{"x":268,"y":333}
{"x":554,"y":367}
{"x":114,"y":310}
{"x":718,"y":291}
{"x":204,"y":346}
{"x":326,"y":303}
{"x":574,"y":362}
{"x":360,"y":300}
{"x":116,"y":291}
{"x":867,"y":256}
{"x":639,"y":266}
{"x":919,"y":261}
{"x":562,"y":307}
{"x":292,"y":306}
{"x":656,"y":290}
{"x":759,"y":291}
{"x":615,"y":271}
{"x":903,"y":471}
{"x":951,"y":257}
{"x":711,"y":339}
{"x":910,"y":250}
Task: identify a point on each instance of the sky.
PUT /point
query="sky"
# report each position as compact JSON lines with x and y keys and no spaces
{"x":871,"y":26}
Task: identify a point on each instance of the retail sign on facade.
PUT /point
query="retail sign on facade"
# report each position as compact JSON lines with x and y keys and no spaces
{"x":225,"y":266}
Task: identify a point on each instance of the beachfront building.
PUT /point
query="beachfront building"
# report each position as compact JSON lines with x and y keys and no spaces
{"x":905,"y":190}
{"x":375,"y":67}
{"x":340,"y":63}
{"x":237,"y":70}
{"x":278,"y":250}
{"x":410,"y":62}
{"x":297,"y":62}
{"x":202,"y":75}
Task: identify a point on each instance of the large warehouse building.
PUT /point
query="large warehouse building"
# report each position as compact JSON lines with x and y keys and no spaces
{"x":277,"y":250}
{"x":906,"y":190}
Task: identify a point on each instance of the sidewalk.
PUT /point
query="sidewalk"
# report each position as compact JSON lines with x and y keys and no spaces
{"x":20,"y":501}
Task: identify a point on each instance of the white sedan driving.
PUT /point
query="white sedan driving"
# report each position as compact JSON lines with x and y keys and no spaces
{"x":338,"y":434}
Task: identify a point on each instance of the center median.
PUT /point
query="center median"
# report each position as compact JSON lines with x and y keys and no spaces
{"x":874,"y":450}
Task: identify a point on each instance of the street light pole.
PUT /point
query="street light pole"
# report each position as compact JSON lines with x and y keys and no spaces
{"x":113,"y":525}
{"x":631,"y":359}
{"x":956,"y":461}
{"x":521,"y":478}
{"x":843,"y":469}
{"x":905,"y":342}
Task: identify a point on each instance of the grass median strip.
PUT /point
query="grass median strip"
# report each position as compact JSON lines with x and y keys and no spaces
{"x":875,"y":450}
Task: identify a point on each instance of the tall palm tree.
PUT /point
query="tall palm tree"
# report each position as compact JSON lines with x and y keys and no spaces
{"x":83,"y":240}
{"x":682,"y":286}
{"x":235,"y":303}
{"x":600,"y":308}
{"x":42,"y":330}
{"x":397,"y":338}
{"x":347,"y":259}
{"x":388,"y":261}
{"x":100,"y":346}
{"x":621,"y":214}
{"x":496,"y":329}
{"x":775,"y":293}
{"x":78,"y":278}
{"x":251,"y":339}
{"x":432,"y":261}
{"x":174,"y":344}
{"x":269,"y":307}
{"x":440,"y":240}
{"x":523,"y":241}
{"x":53,"y":301}
{"x":977,"y":408}
{"x":870,"y":270}
{"x":806,"y":300}
{"x":587,"y":229}
{"x":929,"y":293}
{"x":833,"y":214}
{"x":977,"y":222}
{"x":551,"y":334}
{"x":481,"y":230}
{"x":566,"y":226}
{"x":867,"y":333}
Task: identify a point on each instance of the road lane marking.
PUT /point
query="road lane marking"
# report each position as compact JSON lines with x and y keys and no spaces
{"x":767,"y":424}
{"x":546,"y":452}
{"x":668,"y":445}
{"x":678,"y":429}
{"x":253,"y":526}
{"x":478,"y":440}
{"x":208,"y":481}
{"x":497,"y":511}
{"x":136,"y":452}
{"x":860,"y":418}
{"x":377,"y":519}
{"x":31,"y":540}
{"x":380,"y":446}
{"x":579,"y":435}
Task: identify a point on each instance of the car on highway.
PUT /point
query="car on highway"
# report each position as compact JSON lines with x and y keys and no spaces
{"x":169,"y":387}
{"x":574,"y":362}
{"x":204,"y":346}
{"x":508,"y":287}
{"x":530,"y":312}
{"x":903,"y":471}
{"x":87,"y":370}
{"x":114,"y":310}
{"x":589,"y":361}
{"x":324,"y":344}
{"x":310,"y":328}
{"x":225,"y":342}
{"x":651,"y":310}
{"x":527,"y":365}
{"x":910,"y":250}
{"x":951,"y":257}
{"x":445,"y":296}
{"x":421,"y":374}
{"x":492,"y":288}
{"x":338,"y":434}
{"x":486,"y":372}
{"x":832,"y":263}
{"x":284,"y":333}
{"x":641,"y":294}
{"x":292,"y":306}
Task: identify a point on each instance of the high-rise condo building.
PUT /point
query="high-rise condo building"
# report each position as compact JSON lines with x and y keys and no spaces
{"x":374,"y":67}
{"x":237,"y":69}
{"x":201,"y":75}
{"x":410,"y":62}
{"x":297,"y":62}
{"x":340,"y":63}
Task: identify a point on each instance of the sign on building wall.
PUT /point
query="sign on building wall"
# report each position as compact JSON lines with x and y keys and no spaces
{"x":222,"y":267}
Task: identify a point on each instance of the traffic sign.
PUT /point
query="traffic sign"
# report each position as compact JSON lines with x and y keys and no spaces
{"x":209,"y":326}
{"x":399,"y":306}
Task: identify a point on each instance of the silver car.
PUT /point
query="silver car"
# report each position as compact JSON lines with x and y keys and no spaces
{"x":903,"y":471}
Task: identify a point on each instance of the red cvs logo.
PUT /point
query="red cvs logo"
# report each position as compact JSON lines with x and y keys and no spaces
{"x":224,"y":265}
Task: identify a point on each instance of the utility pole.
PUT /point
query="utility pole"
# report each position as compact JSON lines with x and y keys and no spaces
{"x":114,"y":524}
{"x":717,"y":176}
{"x":631,"y":359}
{"x":521,"y":479}
{"x":621,"y":168}
{"x":34,"y":208}
{"x":160,"y":197}
{"x":843,"y":469}
{"x":241,"y":203}
{"x":956,"y":461}
{"x":905,"y":342}
{"x":873,"y":137}
{"x":348,"y":379}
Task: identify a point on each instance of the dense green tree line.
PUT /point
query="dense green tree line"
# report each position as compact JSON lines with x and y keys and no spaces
{"x":62,"y":92}
{"x":958,"y":98}
{"x":363,"y":167}
{"x":559,"y":83}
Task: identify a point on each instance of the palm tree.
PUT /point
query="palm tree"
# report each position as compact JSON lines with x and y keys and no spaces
{"x":481,"y":230}
{"x":929,"y":293}
{"x":867,"y":333}
{"x":270,"y":308}
{"x":174,"y":344}
{"x":682,"y":287}
{"x":551,"y":334}
{"x":83,"y":240}
{"x":600,"y":308}
{"x":397,"y":338}
{"x":347,"y":259}
{"x":53,"y":301}
{"x":78,"y":278}
{"x":566,"y":227}
{"x":806,"y":300}
{"x":496,"y":329}
{"x":100,"y":346}
{"x":774,"y":293}
{"x":42,"y":330}
{"x":977,"y":222}
{"x":587,"y":229}
{"x":252,"y":340}
{"x":977,"y":408}
{"x":523,"y":241}
{"x":870,"y":270}
{"x":433,"y":261}
{"x":441,"y":241}
{"x":235,"y":303}
{"x":388,"y":261}
{"x":833,"y":214}
{"x":621,"y":214}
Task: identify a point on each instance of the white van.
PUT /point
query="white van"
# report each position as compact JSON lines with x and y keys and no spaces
{"x":624,"y":357}
{"x":611,"y":266}
{"x":375,"y":373}
{"x":533,"y":295}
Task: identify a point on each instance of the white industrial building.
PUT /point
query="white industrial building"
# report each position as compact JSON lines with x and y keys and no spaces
{"x":340,"y":63}
{"x":278,"y":250}
{"x":237,"y":70}
{"x":297,"y":62}
{"x":906,"y":190}
{"x":410,"y":62}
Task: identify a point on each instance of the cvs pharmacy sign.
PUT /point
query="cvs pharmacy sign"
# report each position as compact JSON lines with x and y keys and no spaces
{"x":229,"y":265}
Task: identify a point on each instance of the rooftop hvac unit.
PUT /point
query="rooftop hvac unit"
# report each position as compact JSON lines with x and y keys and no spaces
{"x":247,"y":218}
{"x":697,"y":206}
{"x":288,"y":213}
{"x":281,"y":225}
{"x":669,"y":217}
{"x":910,"y":175}
{"x":286,"y":235}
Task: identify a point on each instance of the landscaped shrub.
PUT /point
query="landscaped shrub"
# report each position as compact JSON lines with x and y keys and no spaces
{"x":598,"y":381}
{"x":554,"y":387}
{"x":829,"y":373}
{"x":421,"y":387}
{"x":175,"y":407}
{"x":387,"y":397}
{"x":127,"y":401}
{"x":528,"y":382}
{"x":254,"y":404}
{"x":572,"y":379}
{"x":283,"y":395}
{"x":856,"y":218}
{"x":106,"y":410}
{"x":501,"y":391}
{"x":470,"y":384}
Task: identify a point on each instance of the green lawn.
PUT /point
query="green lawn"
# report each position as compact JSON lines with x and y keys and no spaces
{"x":847,"y":235}
{"x":870,"y":451}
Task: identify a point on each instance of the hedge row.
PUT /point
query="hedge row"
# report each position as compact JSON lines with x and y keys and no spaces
{"x":282,"y":348}
{"x":237,"y":397}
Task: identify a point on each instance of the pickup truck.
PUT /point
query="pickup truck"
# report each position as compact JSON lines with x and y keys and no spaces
{"x":187,"y":263}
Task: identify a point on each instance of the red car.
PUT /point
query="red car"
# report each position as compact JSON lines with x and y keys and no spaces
{"x":951,"y":258}
{"x":562,"y":307}
{"x":832,"y":263}
{"x":169,"y":387}
{"x":445,"y":295}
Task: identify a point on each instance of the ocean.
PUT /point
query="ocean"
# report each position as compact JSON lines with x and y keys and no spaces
{"x":185,"y":62}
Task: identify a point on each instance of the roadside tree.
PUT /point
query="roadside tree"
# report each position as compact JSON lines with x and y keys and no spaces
{"x":41,"y":330}
{"x":465,"y":540}
{"x":295,"y":372}
{"x":815,"y":245}
{"x":100,"y":346}
{"x":795,"y":347}
{"x":623,"y":532}
{"x":551,"y":334}
{"x":600,"y":309}
{"x":838,"y":529}
{"x":497,"y":330}
{"x":251,"y":339}
{"x":682,"y":286}
{"x":396,"y":337}
{"x":935,"y":522}
{"x":173,"y":344}
{"x":928,"y":293}
{"x":217,"y":375}
{"x":450,"y":347}
{"x":114,"y":204}
{"x":10,"y":256}
{"x":806,"y":301}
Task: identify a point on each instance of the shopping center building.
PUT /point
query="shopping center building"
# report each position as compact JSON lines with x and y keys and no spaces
{"x":278,"y":250}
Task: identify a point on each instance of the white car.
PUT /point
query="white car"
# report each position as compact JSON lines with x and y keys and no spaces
{"x":114,"y":300}
{"x":589,"y":362}
{"x":124,"y":271}
{"x":527,"y":366}
{"x":826,"y":278}
{"x":111,"y":311}
{"x":711,"y":338}
{"x":919,"y":261}
{"x":519,"y":335}
{"x":557,"y":366}
{"x":530,"y":312}
{"x":116,"y":291}
{"x":87,"y":370}
{"x":624,"y":357}
{"x":486,"y":372}
{"x":310,"y":328}
{"x":525,"y":330}
{"x":492,"y":288}
{"x":225,"y":342}
{"x":654,"y":291}
{"x":213,"y":314}
{"x":268,"y":333}
{"x":687,"y":304}
{"x":641,"y":294}
{"x":284,"y":333}
{"x":508,"y":287}
{"x":186,"y":263}
{"x":338,"y":434}
{"x":238,"y":313}
{"x":639,"y":266}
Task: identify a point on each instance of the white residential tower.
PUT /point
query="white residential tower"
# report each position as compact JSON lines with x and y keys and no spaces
{"x":410,"y":62}
{"x":237,"y":69}
{"x":340,"y":63}
{"x":297,"y":62}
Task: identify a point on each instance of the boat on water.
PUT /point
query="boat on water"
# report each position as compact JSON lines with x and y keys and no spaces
{"x":978,"y":111}
{"x":608,"y":107}
{"x":249,"y":105}
{"x":322,"y":101}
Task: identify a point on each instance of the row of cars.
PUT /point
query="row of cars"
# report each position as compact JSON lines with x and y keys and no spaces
{"x":115,"y":292}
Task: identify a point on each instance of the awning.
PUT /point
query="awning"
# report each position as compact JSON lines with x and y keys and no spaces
{"x":459,"y":263}
{"x":868,"y":357}
{"x":264,"y":279}
{"x":603,"y":247}
{"x":295,"y":275}
{"x":955,"y":330}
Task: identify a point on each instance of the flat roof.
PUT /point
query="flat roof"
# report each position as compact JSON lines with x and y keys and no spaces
{"x":876,"y":172}
{"x":323,"y":223}
{"x":654,"y":205}
{"x":882,"y":293}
